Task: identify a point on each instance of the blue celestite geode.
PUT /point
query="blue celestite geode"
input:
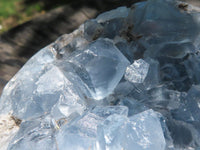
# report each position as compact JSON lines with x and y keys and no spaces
{"x":127,"y":80}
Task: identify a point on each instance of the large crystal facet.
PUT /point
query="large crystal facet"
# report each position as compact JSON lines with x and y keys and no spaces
{"x":104,"y":67}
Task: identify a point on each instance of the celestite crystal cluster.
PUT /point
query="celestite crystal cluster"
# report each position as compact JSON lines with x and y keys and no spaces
{"x":127,"y":80}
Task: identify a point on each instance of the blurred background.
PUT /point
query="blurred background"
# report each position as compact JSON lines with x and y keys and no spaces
{"x":15,"y":12}
{"x":26,"y":26}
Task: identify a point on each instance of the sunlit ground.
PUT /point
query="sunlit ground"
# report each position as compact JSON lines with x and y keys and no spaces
{"x":15,"y":12}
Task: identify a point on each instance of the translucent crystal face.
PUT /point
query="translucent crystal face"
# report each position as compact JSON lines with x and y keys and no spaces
{"x":104,"y":65}
{"x":137,"y":72}
{"x":127,"y":80}
{"x":119,"y":132}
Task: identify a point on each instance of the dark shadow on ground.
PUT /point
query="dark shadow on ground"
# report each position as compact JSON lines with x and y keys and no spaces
{"x":35,"y":34}
{"x":100,"y":4}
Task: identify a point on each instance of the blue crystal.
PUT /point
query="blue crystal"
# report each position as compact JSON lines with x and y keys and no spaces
{"x":128,"y":79}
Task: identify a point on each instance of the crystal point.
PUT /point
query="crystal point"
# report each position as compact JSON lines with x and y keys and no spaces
{"x":137,"y":72}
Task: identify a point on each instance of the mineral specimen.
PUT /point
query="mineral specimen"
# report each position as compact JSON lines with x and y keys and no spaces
{"x":127,"y":80}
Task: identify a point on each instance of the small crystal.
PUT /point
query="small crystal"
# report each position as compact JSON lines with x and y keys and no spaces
{"x":137,"y":72}
{"x":142,"y":131}
{"x":110,"y":110}
{"x":120,"y":12}
{"x":134,"y":106}
{"x":37,"y":133}
{"x":84,"y":130}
